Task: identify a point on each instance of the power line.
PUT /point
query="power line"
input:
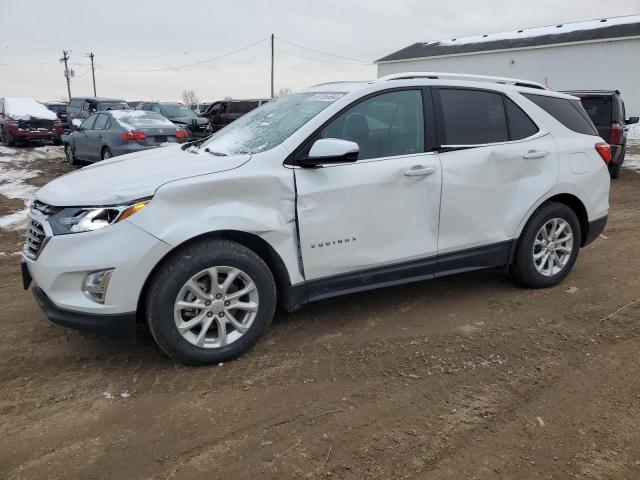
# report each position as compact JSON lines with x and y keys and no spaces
{"x":178,"y":67}
{"x":356,"y":60}
{"x":310,"y":59}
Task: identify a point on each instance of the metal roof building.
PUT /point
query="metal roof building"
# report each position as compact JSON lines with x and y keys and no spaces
{"x":601,"y":54}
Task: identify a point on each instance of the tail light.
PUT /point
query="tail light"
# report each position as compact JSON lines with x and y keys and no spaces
{"x":604,"y":150}
{"x":616,"y":133}
{"x":133,"y":136}
{"x":181,"y":135}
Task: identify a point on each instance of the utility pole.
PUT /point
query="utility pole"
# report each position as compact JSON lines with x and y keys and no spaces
{"x":93,"y":75}
{"x":272,"y":49}
{"x":67,"y":74}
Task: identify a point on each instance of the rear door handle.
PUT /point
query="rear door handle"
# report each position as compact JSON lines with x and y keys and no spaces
{"x":419,"y":171}
{"x":535,"y":154}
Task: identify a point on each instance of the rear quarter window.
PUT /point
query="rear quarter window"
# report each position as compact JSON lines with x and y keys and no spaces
{"x":569,"y":113}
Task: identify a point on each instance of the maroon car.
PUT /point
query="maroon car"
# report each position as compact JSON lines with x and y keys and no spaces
{"x":24,"y":119}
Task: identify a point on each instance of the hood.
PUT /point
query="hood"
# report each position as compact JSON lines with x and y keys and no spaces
{"x":130,"y":177}
{"x":190,"y":120}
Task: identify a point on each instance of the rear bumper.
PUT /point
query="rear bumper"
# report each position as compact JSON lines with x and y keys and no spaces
{"x":121,"y":325}
{"x":595,"y":228}
{"x":616,"y":154}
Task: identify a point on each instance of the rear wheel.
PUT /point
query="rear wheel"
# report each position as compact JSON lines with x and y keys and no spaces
{"x":548,"y":247}
{"x":106,"y":153}
{"x":615,"y":169}
{"x":210,"y":302}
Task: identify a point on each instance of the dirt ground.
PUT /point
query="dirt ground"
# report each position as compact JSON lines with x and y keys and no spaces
{"x":465,"y":377}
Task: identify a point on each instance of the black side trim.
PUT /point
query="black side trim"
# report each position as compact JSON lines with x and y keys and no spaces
{"x":121,"y":326}
{"x":594,"y":229}
{"x":494,"y":255}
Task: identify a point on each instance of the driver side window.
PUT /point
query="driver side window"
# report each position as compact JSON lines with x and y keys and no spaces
{"x":386,"y":125}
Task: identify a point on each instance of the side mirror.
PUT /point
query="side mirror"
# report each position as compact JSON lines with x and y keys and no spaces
{"x":328,"y":151}
{"x":632,"y":120}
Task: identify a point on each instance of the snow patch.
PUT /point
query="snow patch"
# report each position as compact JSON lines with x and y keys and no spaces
{"x":556,"y":29}
{"x":26,"y":108}
{"x":632,"y":162}
{"x":132,"y":119}
{"x":634,"y":132}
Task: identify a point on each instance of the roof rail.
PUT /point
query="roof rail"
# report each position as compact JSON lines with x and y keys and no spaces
{"x":461,"y":76}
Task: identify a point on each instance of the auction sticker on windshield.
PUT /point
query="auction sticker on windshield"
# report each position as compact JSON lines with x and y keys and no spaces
{"x":325,"y":97}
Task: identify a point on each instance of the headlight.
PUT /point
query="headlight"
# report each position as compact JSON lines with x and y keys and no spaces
{"x":85,"y":219}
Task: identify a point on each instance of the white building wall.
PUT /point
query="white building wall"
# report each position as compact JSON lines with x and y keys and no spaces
{"x":602,"y":65}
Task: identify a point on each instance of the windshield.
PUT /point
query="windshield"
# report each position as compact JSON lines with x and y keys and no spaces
{"x":113,"y":106}
{"x":269,"y":125}
{"x":177,"y":111}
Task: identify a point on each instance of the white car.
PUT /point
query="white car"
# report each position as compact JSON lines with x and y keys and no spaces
{"x":340,"y":188}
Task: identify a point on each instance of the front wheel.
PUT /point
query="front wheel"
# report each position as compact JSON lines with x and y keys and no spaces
{"x":70,"y":155}
{"x":548,"y":247}
{"x":106,"y":153}
{"x":210,"y":302}
{"x":7,"y":139}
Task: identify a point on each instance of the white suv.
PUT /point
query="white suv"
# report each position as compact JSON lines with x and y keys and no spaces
{"x":340,"y":188}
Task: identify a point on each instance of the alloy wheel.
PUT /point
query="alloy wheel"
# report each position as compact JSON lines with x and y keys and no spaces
{"x":552,"y":247}
{"x":216,"y":307}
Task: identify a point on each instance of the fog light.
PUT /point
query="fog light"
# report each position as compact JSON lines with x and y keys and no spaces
{"x":96,"y":283}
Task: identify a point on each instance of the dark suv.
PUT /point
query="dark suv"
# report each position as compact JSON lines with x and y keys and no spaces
{"x":222,"y":113}
{"x":606,"y":109}
{"x":80,"y":108}
{"x":182,"y":116}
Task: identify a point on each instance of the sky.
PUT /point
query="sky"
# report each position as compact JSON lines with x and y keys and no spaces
{"x":141,"y":47}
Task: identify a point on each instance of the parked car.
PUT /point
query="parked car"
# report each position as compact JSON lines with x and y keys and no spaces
{"x":60,"y":109}
{"x":606,"y":110}
{"x":24,"y":119}
{"x":182,"y":116}
{"x":340,"y":188}
{"x":117,"y":132}
{"x":134,"y":104}
{"x":222,"y":113}
{"x":81,"y":107}
{"x":199,"y":108}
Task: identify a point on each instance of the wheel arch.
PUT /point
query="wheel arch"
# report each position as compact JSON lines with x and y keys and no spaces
{"x":251,"y":241}
{"x":570,"y":200}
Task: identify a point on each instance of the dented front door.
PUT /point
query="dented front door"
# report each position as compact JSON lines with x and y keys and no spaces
{"x":366,"y":214}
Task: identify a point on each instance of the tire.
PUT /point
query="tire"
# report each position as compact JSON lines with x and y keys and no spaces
{"x":615,"y":169}
{"x":70,"y":155}
{"x":170,"y":285}
{"x":525,"y":269}
{"x":106,"y":154}
{"x":7,"y":139}
{"x":57,"y":141}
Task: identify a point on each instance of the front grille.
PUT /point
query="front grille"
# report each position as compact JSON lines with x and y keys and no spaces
{"x":38,"y":230}
{"x":35,"y":124}
{"x":35,"y":239}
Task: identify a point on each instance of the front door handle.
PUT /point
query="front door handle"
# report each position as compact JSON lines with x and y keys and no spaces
{"x":535,"y":154}
{"x":419,"y":171}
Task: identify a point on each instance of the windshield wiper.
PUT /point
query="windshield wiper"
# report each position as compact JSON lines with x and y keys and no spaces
{"x":217,"y":154}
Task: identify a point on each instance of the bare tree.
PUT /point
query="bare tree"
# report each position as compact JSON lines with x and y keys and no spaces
{"x":189,"y":97}
{"x":283,"y":91}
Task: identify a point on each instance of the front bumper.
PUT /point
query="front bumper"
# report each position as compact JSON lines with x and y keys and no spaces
{"x":121,"y":326}
{"x":63,"y":263}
